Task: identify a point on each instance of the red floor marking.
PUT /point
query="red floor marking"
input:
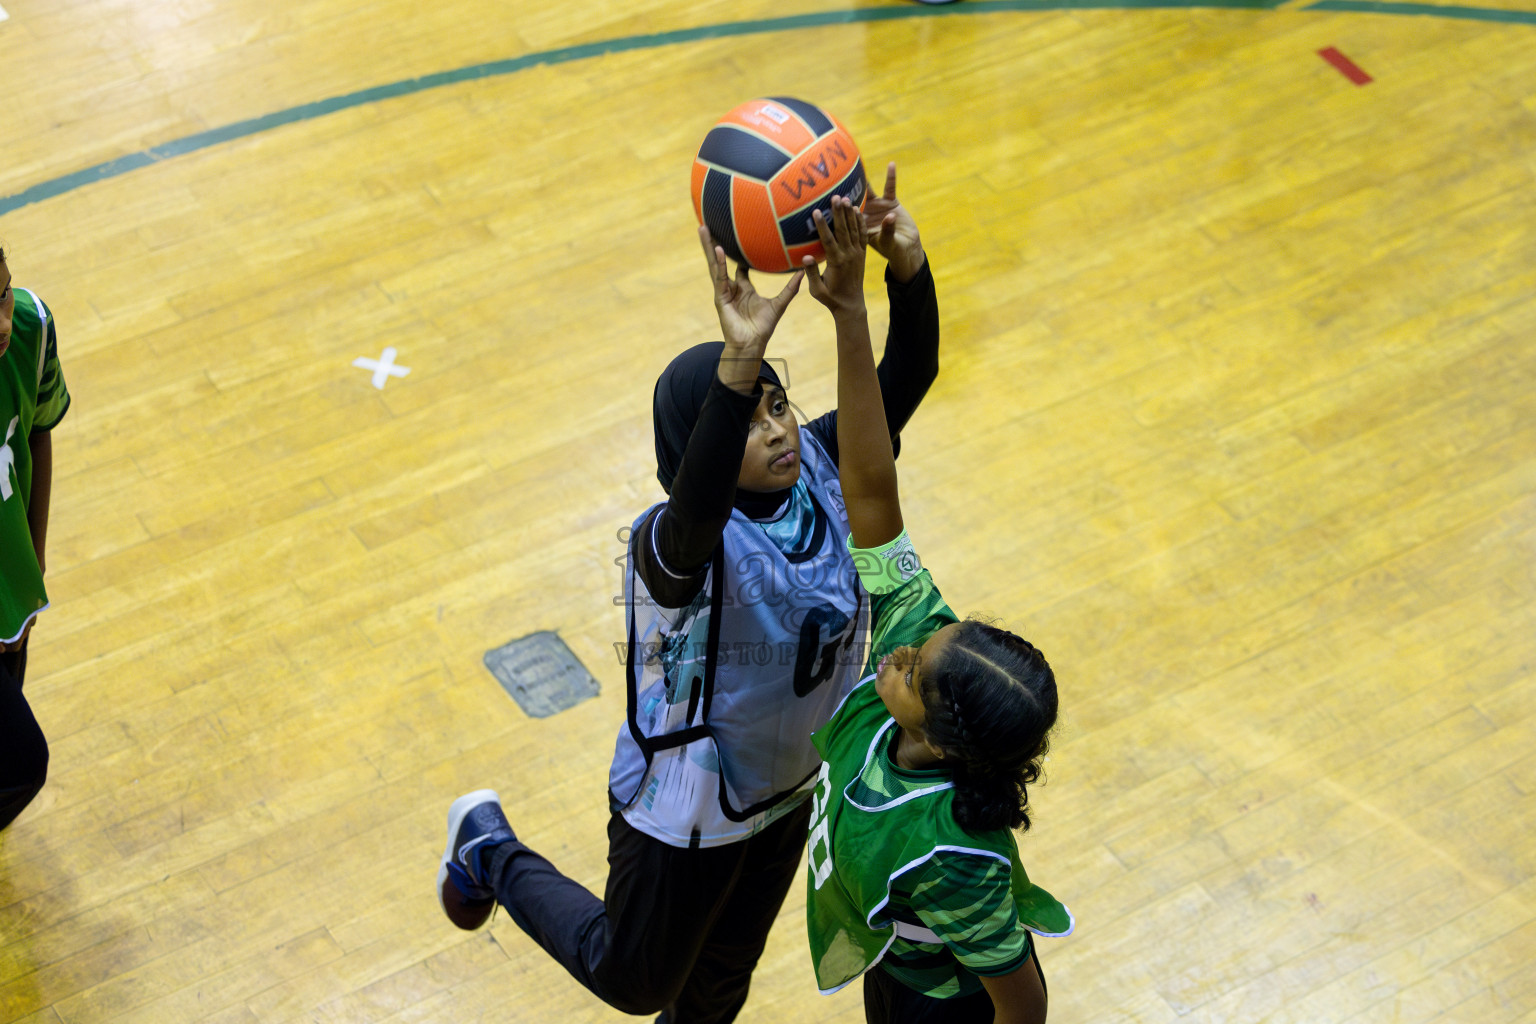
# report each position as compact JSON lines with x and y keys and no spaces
{"x":1350,"y":69}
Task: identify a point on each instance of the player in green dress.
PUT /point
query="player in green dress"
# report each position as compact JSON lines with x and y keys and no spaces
{"x":914,"y":880}
{"x":33,"y":399}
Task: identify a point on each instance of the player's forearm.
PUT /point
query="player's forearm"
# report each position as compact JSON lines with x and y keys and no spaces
{"x":910,"y":362}
{"x":1019,"y":996}
{"x":41,"y":444}
{"x":705,"y":487}
{"x":739,"y":366}
{"x":866,"y":466}
{"x":1014,"y":1018}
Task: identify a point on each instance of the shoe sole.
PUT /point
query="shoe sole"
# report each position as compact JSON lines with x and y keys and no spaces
{"x":457,"y":812}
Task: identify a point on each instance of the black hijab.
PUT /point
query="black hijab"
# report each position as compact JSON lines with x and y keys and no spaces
{"x":675,"y":406}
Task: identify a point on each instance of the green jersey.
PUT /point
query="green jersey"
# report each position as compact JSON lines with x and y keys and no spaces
{"x":892,"y":878}
{"x":33,"y":398}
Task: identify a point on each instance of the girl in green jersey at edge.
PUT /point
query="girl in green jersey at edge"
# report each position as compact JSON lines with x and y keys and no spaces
{"x":33,"y":399}
{"x":913,"y":866}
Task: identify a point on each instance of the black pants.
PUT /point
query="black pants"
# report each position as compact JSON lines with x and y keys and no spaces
{"x":678,"y":932}
{"x":23,"y":749}
{"x":888,"y":1001}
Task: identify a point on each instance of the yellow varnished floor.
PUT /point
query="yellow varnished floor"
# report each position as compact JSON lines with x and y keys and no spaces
{"x":1236,"y":419}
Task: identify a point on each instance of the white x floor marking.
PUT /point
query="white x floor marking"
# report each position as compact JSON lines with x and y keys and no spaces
{"x":383,"y":367}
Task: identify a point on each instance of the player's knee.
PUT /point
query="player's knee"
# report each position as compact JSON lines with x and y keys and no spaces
{"x":33,"y":769}
{"x":642,"y":996}
{"x":28,"y":769}
{"x":40,"y":773}
{"x":640,"y":1004}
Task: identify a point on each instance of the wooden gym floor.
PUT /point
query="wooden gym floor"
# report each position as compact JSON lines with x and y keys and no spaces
{"x":1236,"y":419}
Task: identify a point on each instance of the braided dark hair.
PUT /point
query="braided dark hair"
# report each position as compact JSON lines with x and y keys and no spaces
{"x":990,"y":699}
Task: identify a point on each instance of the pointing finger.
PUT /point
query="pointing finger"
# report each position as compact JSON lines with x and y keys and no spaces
{"x":710,"y":248}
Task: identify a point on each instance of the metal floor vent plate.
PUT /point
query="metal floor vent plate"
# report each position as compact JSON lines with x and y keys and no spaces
{"x":541,"y":674}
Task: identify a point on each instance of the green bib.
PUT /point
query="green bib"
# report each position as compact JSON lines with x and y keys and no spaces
{"x":865,"y":838}
{"x":27,"y":366}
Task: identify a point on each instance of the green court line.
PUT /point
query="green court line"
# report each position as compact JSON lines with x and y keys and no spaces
{"x":1426,"y":10}
{"x":564,"y":55}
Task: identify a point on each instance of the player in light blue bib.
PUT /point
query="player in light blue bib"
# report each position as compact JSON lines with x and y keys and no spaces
{"x":745,"y":626}
{"x":914,"y":880}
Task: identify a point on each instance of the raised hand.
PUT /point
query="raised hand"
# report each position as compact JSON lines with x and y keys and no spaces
{"x":840,"y":287}
{"x":892,"y":231}
{"x":747,"y":319}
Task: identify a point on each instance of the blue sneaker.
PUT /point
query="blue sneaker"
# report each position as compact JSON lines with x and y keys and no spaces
{"x":475,"y":823}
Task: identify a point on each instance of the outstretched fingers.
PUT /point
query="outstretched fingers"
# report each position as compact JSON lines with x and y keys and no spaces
{"x":826,"y":228}
{"x":815,"y":278}
{"x":853,"y":223}
{"x":839,"y":284}
{"x":823,"y":227}
{"x":712,"y":253}
{"x":719,"y":276}
{"x":844,"y":232}
{"x":781,"y":300}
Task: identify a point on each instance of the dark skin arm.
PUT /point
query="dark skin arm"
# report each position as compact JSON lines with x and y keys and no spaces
{"x":1018,"y":997}
{"x":747,"y":319}
{"x":891,"y":231}
{"x":867,"y":471}
{"x":688,"y":527}
{"x":867,"y":463}
{"x":910,"y":362}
